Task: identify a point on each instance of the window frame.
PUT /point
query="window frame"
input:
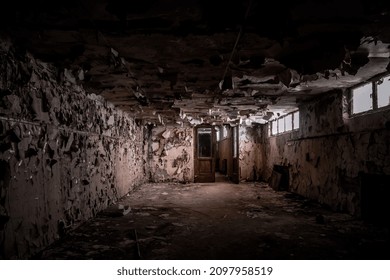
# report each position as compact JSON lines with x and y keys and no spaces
{"x":377,"y":94}
{"x":374,"y":98}
{"x":276,"y":122}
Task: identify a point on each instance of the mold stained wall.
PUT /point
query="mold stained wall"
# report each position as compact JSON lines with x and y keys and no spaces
{"x":64,"y":155}
{"x":329,"y":151}
{"x":251,"y":153}
{"x":171,"y":154}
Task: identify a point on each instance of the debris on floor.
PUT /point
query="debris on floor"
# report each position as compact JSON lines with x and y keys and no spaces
{"x":194,"y":223}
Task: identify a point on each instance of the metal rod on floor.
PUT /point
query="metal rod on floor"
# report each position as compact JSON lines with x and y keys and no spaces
{"x":137,"y":242}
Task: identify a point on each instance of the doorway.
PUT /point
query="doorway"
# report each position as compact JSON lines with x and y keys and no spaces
{"x":235,"y":177}
{"x":204,"y":154}
{"x":375,"y":192}
{"x":216,"y":153}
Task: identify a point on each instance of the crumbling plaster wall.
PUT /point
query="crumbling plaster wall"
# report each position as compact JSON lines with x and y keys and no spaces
{"x":171,"y":154}
{"x":251,"y":153}
{"x":64,"y":155}
{"x":327,"y":153}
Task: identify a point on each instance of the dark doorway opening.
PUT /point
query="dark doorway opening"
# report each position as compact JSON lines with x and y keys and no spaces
{"x":280,"y":178}
{"x":375,"y":194}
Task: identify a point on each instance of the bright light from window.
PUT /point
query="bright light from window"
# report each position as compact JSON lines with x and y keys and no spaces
{"x":284,"y":124}
{"x":281,"y":125}
{"x":296,"y":120}
{"x":384,"y":92}
{"x":288,"y":122}
{"x":274,"y":127}
{"x":362,"y":98}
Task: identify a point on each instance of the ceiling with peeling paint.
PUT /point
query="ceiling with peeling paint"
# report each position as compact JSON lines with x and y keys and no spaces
{"x":173,"y":61}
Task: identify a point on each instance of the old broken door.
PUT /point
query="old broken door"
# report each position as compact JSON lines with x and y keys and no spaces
{"x":204,"y":154}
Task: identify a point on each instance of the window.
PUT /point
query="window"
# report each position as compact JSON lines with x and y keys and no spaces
{"x":383,"y":86}
{"x":281,"y":125}
{"x":296,"y":120}
{"x":284,"y":124}
{"x":288,"y":122}
{"x":371,"y":96}
{"x":274,"y":125}
{"x":362,"y":99}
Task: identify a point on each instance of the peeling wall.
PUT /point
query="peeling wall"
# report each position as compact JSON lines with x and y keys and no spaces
{"x":330,"y":150}
{"x":251,"y":153}
{"x":64,"y":155}
{"x":171,"y":154}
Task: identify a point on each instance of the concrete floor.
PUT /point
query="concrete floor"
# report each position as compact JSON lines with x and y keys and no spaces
{"x":220,"y":221}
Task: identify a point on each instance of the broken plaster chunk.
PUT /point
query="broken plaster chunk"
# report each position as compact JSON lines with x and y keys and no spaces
{"x":151,"y":227}
{"x":80,"y":75}
{"x":126,"y":210}
{"x":111,"y":120}
{"x":114,"y":52}
{"x":143,"y":214}
{"x":168,"y":146}
{"x":282,"y":235}
{"x":178,"y":171}
{"x":101,"y":247}
{"x":155,"y":146}
{"x":69,"y":143}
{"x":126,"y":242}
{"x":166,"y":134}
{"x":178,"y":224}
{"x":69,"y":76}
{"x":164,"y":216}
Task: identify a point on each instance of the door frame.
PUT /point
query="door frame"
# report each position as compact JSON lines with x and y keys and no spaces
{"x":199,"y":176}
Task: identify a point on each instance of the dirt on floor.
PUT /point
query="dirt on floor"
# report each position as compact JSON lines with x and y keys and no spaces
{"x":220,"y":221}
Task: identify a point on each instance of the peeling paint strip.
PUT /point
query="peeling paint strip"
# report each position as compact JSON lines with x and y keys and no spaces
{"x":60,"y":128}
